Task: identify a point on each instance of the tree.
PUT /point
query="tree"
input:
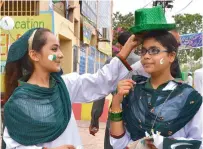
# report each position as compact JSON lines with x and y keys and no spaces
{"x":121,"y":23}
{"x":189,"y":23}
{"x":186,"y":24}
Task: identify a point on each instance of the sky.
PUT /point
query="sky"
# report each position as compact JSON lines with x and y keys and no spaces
{"x":126,"y":6}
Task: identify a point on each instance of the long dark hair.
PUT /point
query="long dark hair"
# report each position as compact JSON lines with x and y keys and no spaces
{"x":167,"y":40}
{"x":15,"y":70}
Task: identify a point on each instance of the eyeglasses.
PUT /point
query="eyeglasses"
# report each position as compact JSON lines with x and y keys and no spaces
{"x":150,"y":51}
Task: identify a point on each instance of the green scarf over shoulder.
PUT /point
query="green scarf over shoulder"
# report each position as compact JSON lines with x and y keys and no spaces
{"x":35,"y":115}
{"x":144,"y":103}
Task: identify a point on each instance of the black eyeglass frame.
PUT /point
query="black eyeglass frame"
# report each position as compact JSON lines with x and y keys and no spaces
{"x":149,"y":51}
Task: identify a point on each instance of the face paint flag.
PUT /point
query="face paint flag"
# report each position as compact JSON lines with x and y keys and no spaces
{"x":180,"y":144}
{"x":191,"y":40}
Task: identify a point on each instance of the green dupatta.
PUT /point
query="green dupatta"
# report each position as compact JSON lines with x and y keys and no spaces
{"x":35,"y":115}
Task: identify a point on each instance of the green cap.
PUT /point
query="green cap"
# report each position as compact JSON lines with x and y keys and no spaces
{"x":147,"y":19}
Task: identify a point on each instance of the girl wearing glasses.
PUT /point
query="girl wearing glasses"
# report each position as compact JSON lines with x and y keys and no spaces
{"x":159,"y":103}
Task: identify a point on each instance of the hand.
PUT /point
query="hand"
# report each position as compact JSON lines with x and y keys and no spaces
{"x":138,"y":144}
{"x":123,"y":89}
{"x":150,"y":144}
{"x":132,"y":43}
{"x":93,"y":130}
{"x":64,"y":147}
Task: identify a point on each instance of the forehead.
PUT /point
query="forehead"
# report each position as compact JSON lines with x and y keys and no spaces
{"x":151,"y":42}
{"x":51,"y":38}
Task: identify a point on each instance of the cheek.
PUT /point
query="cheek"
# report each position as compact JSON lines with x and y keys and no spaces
{"x":160,"y":62}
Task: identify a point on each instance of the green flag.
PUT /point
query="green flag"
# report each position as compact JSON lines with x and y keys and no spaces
{"x":181,"y":144}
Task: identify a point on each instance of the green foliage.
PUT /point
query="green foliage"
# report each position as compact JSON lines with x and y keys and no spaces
{"x":121,"y":23}
{"x":187,"y":24}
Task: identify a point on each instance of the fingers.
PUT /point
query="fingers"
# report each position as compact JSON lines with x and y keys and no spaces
{"x":93,"y":130}
{"x":125,"y":86}
{"x":150,"y":144}
{"x":136,"y":39}
{"x":70,"y":147}
{"x":133,"y":41}
{"x":127,"y":82}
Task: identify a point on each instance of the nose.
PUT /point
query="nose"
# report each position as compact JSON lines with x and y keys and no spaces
{"x":146,"y":56}
{"x":60,"y":54}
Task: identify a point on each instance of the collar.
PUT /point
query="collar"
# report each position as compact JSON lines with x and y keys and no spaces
{"x":169,"y":85}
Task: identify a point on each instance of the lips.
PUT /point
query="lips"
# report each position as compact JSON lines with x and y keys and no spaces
{"x":58,"y":62}
{"x":148,"y":63}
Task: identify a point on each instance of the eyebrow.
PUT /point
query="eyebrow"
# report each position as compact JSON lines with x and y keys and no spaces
{"x":56,"y":45}
{"x":151,"y":47}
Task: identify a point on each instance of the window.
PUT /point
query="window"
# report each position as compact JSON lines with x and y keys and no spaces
{"x":76,"y":28}
{"x":75,"y":58}
{"x":20,"y":8}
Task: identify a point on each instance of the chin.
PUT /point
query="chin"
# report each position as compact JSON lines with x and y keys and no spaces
{"x":149,"y":70}
{"x":56,"y":70}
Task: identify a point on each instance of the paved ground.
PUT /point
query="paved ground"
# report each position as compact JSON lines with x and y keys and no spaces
{"x":89,"y":141}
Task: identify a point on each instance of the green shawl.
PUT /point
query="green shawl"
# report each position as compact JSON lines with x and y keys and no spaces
{"x":35,"y":115}
{"x":142,"y":105}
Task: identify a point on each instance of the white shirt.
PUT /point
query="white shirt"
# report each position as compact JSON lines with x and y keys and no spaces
{"x":190,"y":80}
{"x":198,"y":80}
{"x":82,"y":88}
{"x":193,"y":130}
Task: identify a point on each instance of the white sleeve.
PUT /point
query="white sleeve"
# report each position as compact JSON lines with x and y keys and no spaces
{"x":194,"y":128}
{"x":90,"y":87}
{"x":120,"y":143}
{"x":139,"y":70}
{"x":11,"y":144}
{"x":198,"y":81}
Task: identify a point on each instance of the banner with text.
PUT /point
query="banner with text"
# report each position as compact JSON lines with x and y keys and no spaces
{"x":191,"y":40}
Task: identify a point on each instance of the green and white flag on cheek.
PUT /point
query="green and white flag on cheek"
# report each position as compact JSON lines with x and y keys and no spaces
{"x":181,"y":144}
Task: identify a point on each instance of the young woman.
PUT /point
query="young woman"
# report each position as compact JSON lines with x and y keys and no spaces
{"x":38,"y":110}
{"x":158,"y":103}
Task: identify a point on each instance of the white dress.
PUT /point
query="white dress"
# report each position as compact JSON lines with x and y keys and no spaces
{"x":82,"y":88}
{"x":198,"y":80}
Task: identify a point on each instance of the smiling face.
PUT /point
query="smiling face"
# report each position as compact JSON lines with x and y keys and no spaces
{"x":156,"y":62}
{"x":41,"y":59}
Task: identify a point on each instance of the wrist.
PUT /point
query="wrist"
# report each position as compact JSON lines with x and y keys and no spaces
{"x":116,"y":106}
{"x":123,"y":60}
{"x":118,"y":136}
{"x":123,"y":54}
{"x":125,"y":51}
{"x":117,"y":100}
{"x":115,"y":115}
